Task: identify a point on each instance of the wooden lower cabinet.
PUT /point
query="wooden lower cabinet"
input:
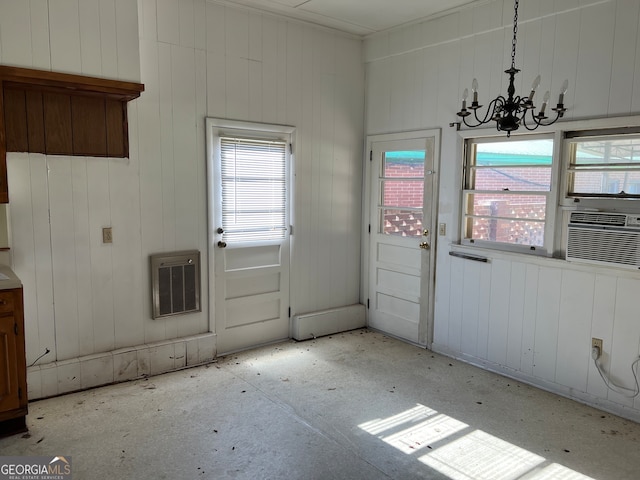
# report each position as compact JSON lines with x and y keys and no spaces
{"x":13,"y":369}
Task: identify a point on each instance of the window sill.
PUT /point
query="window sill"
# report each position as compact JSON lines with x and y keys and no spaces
{"x":550,"y":262}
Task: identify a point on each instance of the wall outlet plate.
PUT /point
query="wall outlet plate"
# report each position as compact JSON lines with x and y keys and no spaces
{"x":597,"y":342}
{"x":107,"y":235}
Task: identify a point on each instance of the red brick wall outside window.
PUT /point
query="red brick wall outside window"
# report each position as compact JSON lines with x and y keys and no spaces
{"x":407,"y":192}
{"x":528,"y":211}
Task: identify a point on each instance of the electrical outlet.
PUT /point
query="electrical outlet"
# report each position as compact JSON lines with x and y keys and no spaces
{"x":107,"y":235}
{"x":442,"y":229}
{"x":597,"y":342}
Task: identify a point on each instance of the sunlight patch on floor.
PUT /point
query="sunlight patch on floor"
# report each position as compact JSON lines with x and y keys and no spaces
{"x":555,"y":471}
{"x":476,"y":455}
{"x":480,"y":456}
{"x":416,"y":414}
{"x":424,"y":434}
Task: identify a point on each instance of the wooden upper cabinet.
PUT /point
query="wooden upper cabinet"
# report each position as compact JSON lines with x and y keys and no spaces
{"x":61,"y":114}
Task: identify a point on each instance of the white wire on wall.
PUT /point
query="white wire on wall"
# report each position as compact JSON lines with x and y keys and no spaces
{"x":625,"y":392}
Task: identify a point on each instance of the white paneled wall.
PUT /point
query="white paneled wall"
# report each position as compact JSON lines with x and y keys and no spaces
{"x":91,"y":37}
{"x":89,"y":303}
{"x":535,"y":320}
{"x":526,"y":317}
{"x":238,"y":64}
{"x":81,"y":296}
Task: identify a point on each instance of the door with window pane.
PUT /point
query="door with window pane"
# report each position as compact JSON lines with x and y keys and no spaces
{"x":401,"y":240}
{"x":250,"y":237}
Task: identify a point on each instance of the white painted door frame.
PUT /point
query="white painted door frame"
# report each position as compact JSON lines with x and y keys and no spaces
{"x":428,"y":287}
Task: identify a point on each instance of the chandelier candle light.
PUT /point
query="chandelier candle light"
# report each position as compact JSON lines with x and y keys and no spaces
{"x":511,"y":112}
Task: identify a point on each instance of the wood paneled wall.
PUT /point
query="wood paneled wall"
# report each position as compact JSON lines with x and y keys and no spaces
{"x":62,"y":124}
{"x":516,"y":314}
{"x":196,"y":58}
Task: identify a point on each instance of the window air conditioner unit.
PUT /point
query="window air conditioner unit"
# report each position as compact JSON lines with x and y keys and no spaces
{"x":604,"y":238}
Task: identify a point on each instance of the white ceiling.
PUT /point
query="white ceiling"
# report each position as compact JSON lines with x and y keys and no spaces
{"x":358,"y":17}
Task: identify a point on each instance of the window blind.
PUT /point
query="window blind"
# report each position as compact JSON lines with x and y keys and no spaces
{"x":253,"y":189}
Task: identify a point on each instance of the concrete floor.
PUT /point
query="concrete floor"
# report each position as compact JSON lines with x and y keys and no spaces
{"x":357,"y":405}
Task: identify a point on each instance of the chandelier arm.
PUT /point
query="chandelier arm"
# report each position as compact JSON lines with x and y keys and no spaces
{"x":464,"y":121}
{"x":470,"y":125}
{"x":491,"y":110}
{"x":494,"y":106}
{"x":539,"y":122}
{"x":551,"y":122}
{"x":536,"y":122}
{"x":524,"y":122}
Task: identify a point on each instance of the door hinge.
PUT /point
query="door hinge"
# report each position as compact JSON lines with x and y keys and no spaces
{"x":290,"y":229}
{"x":289,"y":312}
{"x":15,"y":328}
{"x":369,"y":228}
{"x":291,"y":149}
{"x":368,"y":304}
{"x":370,"y":155}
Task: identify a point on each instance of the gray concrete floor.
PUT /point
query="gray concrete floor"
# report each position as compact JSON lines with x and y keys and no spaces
{"x":357,"y":405}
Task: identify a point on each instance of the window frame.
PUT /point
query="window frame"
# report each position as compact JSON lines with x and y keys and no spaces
{"x":551,"y":203}
{"x":604,"y":202}
{"x":563,"y":205}
{"x":218,"y":128}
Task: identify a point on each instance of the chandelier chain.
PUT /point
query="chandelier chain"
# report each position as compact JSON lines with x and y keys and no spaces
{"x":515,"y":33}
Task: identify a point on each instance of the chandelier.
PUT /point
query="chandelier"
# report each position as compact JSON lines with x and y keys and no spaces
{"x":514,"y":111}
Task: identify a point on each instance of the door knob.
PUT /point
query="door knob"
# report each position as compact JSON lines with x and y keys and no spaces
{"x":424,"y":245}
{"x":222,"y":244}
{"x":425,"y":232}
{"x":220,"y":230}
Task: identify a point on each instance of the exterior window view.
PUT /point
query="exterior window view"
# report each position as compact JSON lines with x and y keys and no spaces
{"x":507,"y":187}
{"x":605,"y":167}
{"x":402,"y":193}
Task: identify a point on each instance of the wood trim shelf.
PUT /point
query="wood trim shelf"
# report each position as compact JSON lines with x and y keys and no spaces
{"x":42,"y":80}
{"x":46,"y":112}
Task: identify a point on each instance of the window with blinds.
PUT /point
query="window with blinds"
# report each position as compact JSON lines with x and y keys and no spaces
{"x":253,"y":189}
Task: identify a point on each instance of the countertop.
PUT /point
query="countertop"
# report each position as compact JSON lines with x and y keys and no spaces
{"x":11,"y":281}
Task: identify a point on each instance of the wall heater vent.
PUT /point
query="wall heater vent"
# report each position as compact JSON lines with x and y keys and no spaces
{"x":604,"y":238}
{"x":175,"y":283}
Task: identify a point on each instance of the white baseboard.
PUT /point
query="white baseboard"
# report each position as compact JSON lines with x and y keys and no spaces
{"x":327,"y":322}
{"x":582,"y":397}
{"x":56,"y":378}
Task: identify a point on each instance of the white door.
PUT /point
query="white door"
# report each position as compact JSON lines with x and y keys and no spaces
{"x":249,"y":233}
{"x":401,"y":236}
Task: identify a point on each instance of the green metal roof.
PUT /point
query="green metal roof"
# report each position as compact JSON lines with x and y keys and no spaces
{"x":490,"y":159}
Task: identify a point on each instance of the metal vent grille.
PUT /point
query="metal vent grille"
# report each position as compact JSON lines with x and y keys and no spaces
{"x":175,"y":283}
{"x":597,"y":218}
{"x":610,"y":247}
